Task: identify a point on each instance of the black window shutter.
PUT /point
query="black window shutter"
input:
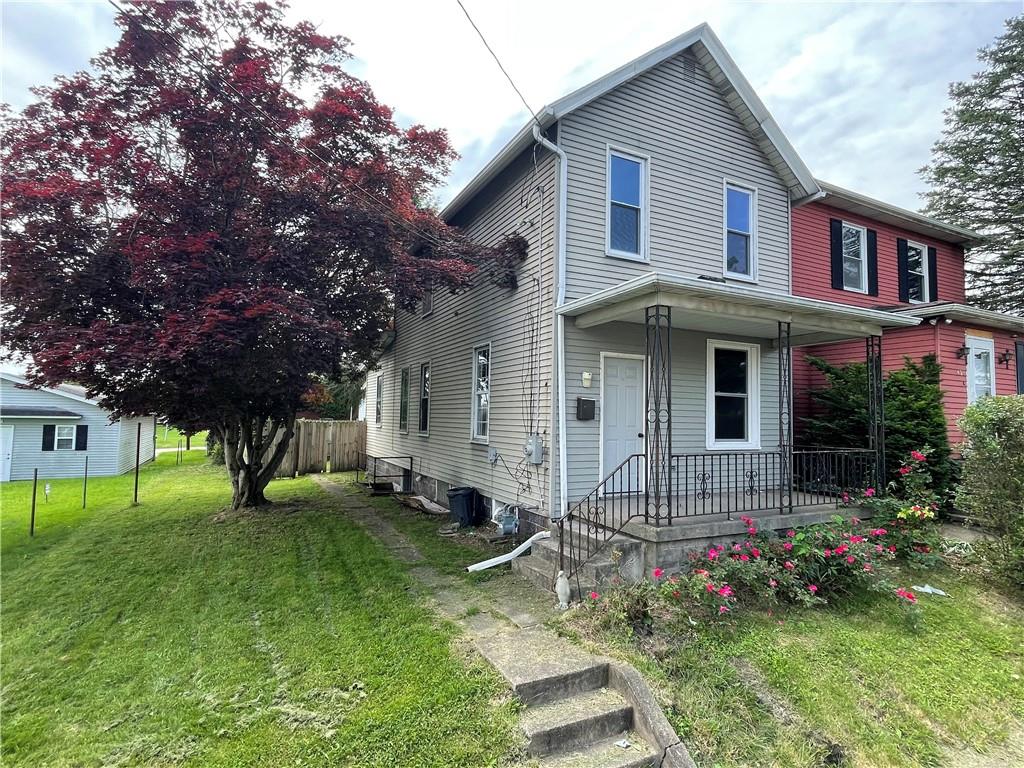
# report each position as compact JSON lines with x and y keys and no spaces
{"x":81,"y":437}
{"x":1020,"y":367}
{"x":933,"y":274}
{"x":872,"y":262}
{"x":903,"y":269}
{"x":836,"y":233}
{"x":49,"y":436}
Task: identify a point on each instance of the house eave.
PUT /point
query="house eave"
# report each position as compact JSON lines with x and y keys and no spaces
{"x":810,"y":317}
{"x":727,"y":76}
{"x":966,"y":314}
{"x":26,"y":384}
{"x":855,"y":202}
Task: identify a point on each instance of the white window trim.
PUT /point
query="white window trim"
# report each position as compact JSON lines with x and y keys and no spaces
{"x":752,"y":191}
{"x":57,"y":437}
{"x":419,"y":399}
{"x":863,"y":258}
{"x":645,"y":175}
{"x":981,"y":343}
{"x":407,"y":372}
{"x":753,"y":397}
{"x":378,"y":401}
{"x":473,"y":436}
{"x":925,"y":277}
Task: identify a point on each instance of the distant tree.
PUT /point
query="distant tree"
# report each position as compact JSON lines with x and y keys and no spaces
{"x":977,"y":170}
{"x":172,"y":243}
{"x":914,"y":417}
{"x":338,"y":397}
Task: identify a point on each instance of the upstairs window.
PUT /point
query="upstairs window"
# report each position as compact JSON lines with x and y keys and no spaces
{"x":740,"y":216}
{"x":917,"y":272}
{"x":424,"y":425}
{"x":855,"y":249}
{"x":480,"y":426}
{"x":403,"y":402}
{"x":427,"y":303}
{"x":627,"y":182}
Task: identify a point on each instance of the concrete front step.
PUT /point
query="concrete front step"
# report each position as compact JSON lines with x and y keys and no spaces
{"x":538,"y":672}
{"x":575,"y":721}
{"x":601,"y":567}
{"x":605,"y":754}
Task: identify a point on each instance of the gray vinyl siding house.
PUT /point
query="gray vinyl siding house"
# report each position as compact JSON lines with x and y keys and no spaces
{"x":655,"y":302}
{"x":54,"y":430}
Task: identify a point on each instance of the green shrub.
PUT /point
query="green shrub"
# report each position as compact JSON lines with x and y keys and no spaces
{"x":913,"y":415}
{"x":992,"y":482}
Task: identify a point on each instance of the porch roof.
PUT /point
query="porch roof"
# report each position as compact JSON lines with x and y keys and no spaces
{"x":705,"y":305}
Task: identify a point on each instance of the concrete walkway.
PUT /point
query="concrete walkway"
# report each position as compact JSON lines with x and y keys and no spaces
{"x":580,"y":710}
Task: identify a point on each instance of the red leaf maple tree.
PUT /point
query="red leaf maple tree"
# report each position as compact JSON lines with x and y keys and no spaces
{"x":216,"y":218}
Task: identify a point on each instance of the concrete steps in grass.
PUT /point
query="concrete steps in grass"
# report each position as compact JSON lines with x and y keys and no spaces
{"x":581,"y":710}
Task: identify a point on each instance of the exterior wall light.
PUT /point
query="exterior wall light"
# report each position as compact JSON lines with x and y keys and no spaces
{"x":1005,"y":357}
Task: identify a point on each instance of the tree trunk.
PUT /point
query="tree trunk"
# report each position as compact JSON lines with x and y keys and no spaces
{"x":251,"y":457}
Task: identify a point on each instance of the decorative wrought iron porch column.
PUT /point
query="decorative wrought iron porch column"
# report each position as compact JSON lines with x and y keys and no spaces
{"x":876,"y":407}
{"x":785,"y":419}
{"x":658,"y":415}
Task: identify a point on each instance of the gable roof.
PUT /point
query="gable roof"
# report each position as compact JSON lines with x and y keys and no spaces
{"x":70,"y":391}
{"x":723,"y":71}
{"x":854,"y":202}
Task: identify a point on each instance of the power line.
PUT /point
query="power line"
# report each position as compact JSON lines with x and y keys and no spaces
{"x":381,"y":206}
{"x":533,"y":115}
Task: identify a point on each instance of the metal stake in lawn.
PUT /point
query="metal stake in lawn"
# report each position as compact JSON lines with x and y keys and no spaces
{"x":85,"y":481}
{"x":32,"y":519}
{"x":138,"y":450}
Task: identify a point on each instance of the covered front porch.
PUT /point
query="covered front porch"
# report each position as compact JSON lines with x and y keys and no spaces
{"x":694,"y":414}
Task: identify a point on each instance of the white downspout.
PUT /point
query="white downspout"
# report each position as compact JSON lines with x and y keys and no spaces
{"x":563,"y":183}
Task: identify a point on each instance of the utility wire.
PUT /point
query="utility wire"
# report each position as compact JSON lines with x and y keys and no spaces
{"x":381,"y":206}
{"x":533,"y":115}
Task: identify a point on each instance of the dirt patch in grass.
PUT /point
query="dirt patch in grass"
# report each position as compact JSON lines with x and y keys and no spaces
{"x":271,"y":509}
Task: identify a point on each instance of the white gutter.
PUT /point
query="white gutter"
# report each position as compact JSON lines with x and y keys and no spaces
{"x":563,"y":184}
{"x":484,"y":565}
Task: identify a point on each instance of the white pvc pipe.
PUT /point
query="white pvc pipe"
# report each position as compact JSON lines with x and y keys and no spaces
{"x":484,"y":565}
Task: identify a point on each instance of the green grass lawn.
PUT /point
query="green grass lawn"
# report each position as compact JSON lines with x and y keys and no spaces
{"x":164,"y":635}
{"x":168,"y":437}
{"x":857,"y":675}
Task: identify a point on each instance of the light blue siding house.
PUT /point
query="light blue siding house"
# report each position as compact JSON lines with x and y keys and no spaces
{"x":54,"y":430}
{"x":635,"y":386}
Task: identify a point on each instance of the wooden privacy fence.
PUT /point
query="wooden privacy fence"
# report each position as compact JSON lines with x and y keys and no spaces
{"x":316,"y":442}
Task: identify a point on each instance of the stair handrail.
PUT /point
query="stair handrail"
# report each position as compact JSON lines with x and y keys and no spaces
{"x":597,"y":523}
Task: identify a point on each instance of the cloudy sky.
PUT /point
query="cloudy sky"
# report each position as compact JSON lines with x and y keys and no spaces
{"x":859,"y":88}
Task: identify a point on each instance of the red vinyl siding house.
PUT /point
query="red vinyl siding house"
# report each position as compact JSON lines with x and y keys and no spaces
{"x":853,"y":250}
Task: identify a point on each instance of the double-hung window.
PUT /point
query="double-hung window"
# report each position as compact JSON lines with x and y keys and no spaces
{"x":424,"y":425}
{"x":917,"y":272}
{"x":627,"y":193}
{"x":740,"y":232}
{"x":481,"y":408}
{"x":403,"y":402}
{"x":981,"y":368}
{"x":378,"y":406}
{"x":427,"y":302}
{"x":65,"y":437}
{"x":855,"y":249}
{"x":733,"y":402}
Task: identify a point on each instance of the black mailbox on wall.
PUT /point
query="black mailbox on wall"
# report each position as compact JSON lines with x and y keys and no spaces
{"x":585,"y":407}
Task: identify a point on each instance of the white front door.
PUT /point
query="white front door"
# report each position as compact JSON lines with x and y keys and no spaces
{"x":981,"y":368}
{"x":6,"y":447}
{"x":622,"y":414}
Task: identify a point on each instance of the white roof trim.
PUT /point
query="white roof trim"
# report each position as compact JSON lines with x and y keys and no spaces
{"x":915,"y":222}
{"x":661,"y":281}
{"x":967,"y":314}
{"x":19,"y":380}
{"x":582,"y":96}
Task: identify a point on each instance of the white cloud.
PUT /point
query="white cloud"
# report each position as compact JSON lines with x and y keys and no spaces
{"x":859,"y":88}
